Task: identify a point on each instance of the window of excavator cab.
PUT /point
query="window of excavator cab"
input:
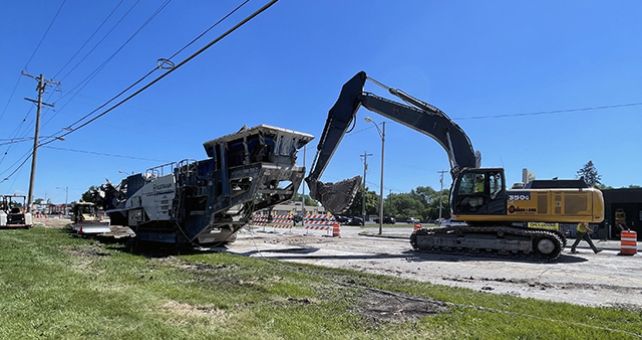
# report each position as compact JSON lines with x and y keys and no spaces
{"x":471,"y":183}
{"x":467,"y":184}
{"x":495,"y":183}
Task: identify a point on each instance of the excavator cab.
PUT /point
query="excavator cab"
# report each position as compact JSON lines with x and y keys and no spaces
{"x":479,"y":191}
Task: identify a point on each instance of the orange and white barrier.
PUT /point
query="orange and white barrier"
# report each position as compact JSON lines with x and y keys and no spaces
{"x":628,"y":242}
{"x":312,"y":223}
{"x":285,"y":221}
{"x":319,"y":222}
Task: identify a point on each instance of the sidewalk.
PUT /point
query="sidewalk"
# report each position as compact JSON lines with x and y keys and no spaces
{"x":606,"y":245}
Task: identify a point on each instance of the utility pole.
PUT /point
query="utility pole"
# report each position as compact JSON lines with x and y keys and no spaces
{"x":441,"y":189}
{"x":42,"y":84}
{"x":363,"y":186}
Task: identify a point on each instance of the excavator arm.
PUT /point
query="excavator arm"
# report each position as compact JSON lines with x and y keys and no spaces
{"x":414,"y":113}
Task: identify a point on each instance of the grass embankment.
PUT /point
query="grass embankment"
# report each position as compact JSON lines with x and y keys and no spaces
{"x":57,"y":286}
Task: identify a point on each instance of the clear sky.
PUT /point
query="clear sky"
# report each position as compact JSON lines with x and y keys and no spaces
{"x":286,"y":67}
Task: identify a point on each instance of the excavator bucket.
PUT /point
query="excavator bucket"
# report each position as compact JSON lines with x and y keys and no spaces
{"x":335,"y":197}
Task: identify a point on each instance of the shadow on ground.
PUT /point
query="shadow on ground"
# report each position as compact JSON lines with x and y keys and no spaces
{"x":410,"y":256}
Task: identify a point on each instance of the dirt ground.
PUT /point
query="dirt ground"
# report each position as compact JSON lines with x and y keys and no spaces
{"x":604,"y":279}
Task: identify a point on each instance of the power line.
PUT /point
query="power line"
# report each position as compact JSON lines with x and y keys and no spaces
{"x":183,"y":62}
{"x":26,"y":157}
{"x":208,"y":29}
{"x":160,"y":65}
{"x":89,"y":38}
{"x":537,"y":113}
{"x":13,"y":92}
{"x":72,"y":129}
{"x":26,"y":66}
{"x":120,"y":20}
{"x":78,"y":88}
{"x":107,"y":154}
{"x":33,"y":54}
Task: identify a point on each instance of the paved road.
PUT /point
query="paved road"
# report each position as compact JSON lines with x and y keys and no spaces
{"x":584,"y":278}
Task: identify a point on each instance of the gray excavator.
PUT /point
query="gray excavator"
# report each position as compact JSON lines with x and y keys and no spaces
{"x":496,"y":219}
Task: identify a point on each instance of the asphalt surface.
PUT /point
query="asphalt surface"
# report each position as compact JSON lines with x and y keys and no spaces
{"x":605,"y":279}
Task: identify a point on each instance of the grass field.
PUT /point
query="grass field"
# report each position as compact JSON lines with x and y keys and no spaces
{"x":57,"y":286}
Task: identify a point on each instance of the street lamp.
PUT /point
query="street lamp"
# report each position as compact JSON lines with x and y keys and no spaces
{"x":66,"y":197}
{"x":382,"y":134}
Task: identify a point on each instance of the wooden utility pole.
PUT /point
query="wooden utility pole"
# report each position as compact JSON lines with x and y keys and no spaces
{"x":363,"y":191}
{"x":42,"y":84}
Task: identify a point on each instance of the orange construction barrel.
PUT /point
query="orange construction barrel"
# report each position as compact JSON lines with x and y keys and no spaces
{"x":628,"y":242}
{"x":336,"y":230}
{"x":417,"y":226}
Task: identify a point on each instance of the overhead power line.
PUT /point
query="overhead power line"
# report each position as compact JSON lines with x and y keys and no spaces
{"x":113,"y":27}
{"x":24,"y":158}
{"x":33,"y":54}
{"x":91,"y":36}
{"x":71,"y":129}
{"x":106,"y":154}
{"x":80,"y":86}
{"x":537,"y":113}
{"x":160,"y":65}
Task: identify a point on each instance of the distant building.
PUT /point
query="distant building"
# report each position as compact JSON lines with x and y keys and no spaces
{"x":622,"y":207}
{"x":295,"y":208}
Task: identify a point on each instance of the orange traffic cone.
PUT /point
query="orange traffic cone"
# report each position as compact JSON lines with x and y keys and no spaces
{"x":336,"y":230}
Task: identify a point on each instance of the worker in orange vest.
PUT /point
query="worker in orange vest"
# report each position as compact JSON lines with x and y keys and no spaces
{"x":583,"y":231}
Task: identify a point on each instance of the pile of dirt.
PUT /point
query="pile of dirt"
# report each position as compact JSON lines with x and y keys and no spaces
{"x":378,"y":307}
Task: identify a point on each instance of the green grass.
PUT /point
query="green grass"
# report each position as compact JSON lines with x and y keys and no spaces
{"x":57,"y":286}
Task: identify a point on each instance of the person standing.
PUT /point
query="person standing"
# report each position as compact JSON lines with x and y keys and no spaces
{"x":583,"y":231}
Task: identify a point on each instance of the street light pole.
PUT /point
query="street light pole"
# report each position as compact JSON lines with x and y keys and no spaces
{"x":383,"y":142}
{"x":66,"y":198}
{"x":382,"y":134}
{"x":441,"y":189}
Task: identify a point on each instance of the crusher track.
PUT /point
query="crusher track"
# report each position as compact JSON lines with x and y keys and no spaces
{"x":502,"y":240}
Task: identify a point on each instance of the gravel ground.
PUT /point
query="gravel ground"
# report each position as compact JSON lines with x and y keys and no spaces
{"x":604,"y":279}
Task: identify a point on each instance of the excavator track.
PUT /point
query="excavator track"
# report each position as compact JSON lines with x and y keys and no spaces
{"x":502,"y":240}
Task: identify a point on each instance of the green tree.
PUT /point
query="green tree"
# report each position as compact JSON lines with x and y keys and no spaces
{"x":372,"y":203}
{"x":309,"y":201}
{"x":590,"y":175}
{"x":421,"y":202}
{"x":91,"y":195}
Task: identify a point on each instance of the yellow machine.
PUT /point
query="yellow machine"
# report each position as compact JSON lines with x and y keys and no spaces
{"x":494,"y":218}
{"x":479,"y":195}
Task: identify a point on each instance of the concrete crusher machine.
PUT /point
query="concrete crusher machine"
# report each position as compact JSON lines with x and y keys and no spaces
{"x":206,"y":202}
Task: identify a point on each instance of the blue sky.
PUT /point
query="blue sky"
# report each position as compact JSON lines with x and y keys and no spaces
{"x":469,"y":58}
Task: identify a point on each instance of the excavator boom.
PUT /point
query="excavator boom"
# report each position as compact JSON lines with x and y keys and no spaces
{"x":414,"y":113}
